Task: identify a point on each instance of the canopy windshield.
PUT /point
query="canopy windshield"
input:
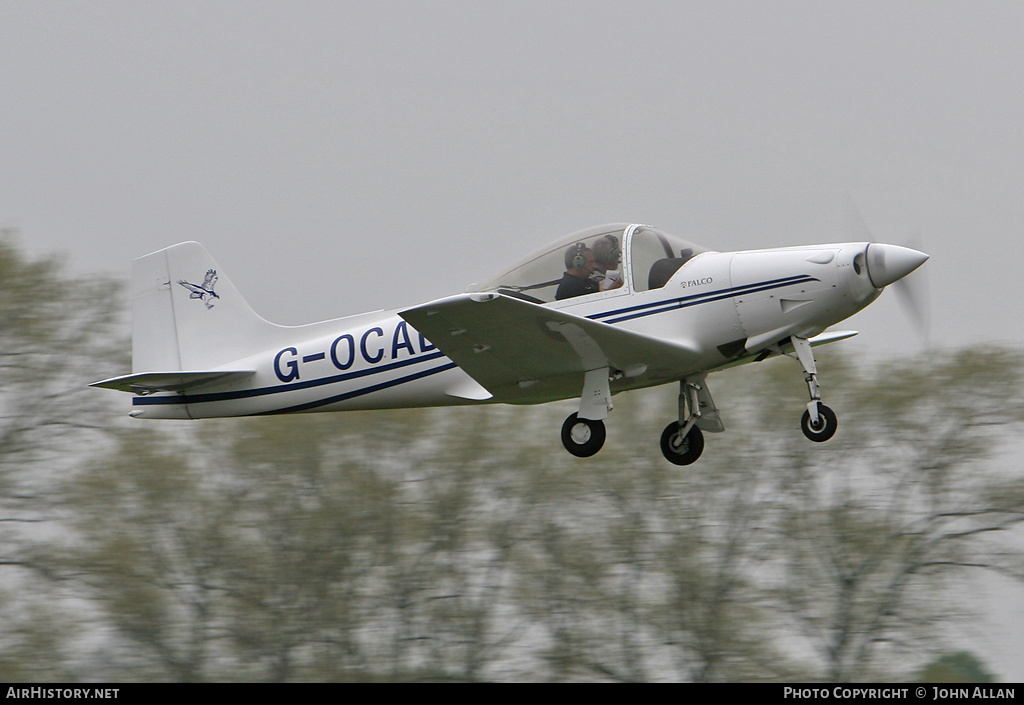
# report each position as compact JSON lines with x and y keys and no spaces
{"x":653,"y":257}
{"x":656,"y":256}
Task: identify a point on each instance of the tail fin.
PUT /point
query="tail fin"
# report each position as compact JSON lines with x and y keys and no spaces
{"x":187,"y":315}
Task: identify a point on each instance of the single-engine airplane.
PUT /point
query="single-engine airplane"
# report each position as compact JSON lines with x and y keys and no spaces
{"x":595,"y":313}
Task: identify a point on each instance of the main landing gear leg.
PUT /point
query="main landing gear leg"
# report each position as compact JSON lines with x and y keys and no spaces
{"x":819,"y":422}
{"x":583,"y":433}
{"x":681,"y":441}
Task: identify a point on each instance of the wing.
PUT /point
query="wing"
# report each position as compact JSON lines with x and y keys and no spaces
{"x":525,"y":353}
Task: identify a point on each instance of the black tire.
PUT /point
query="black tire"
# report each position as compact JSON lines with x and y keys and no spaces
{"x":678,"y":450}
{"x":582,"y":437}
{"x":826,"y":427}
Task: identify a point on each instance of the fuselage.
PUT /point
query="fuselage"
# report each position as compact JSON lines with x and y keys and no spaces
{"x":723,"y":306}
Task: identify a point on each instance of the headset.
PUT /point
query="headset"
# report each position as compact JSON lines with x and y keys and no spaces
{"x":579,"y":261}
{"x":614,"y":253}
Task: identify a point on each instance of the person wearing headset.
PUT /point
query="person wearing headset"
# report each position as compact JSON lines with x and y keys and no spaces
{"x":606,"y":257}
{"x":579,"y":266}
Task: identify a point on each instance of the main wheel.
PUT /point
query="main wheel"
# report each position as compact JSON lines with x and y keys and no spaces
{"x":824,"y":429}
{"x":679,"y":449}
{"x":582,"y":437}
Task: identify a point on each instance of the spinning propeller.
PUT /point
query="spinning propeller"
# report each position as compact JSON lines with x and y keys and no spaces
{"x":889,"y":265}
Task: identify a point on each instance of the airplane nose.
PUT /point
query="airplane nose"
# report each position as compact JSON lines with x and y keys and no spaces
{"x":888,"y":263}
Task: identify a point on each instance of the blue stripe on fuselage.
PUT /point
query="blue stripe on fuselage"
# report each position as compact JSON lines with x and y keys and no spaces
{"x":360,"y":392}
{"x":291,"y":387}
{"x":655,"y":307}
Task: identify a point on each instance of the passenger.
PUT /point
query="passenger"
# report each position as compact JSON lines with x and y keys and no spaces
{"x":579,"y":266}
{"x":606,"y":255}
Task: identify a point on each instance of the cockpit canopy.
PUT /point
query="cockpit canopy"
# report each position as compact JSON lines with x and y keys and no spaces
{"x":648,"y":256}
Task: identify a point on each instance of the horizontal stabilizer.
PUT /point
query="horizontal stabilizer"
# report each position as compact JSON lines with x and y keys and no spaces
{"x":150,"y":382}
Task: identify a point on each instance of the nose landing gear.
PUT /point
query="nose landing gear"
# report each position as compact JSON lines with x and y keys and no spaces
{"x":819,"y":422}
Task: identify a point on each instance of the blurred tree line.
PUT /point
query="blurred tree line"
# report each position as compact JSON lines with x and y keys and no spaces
{"x":466,"y":544}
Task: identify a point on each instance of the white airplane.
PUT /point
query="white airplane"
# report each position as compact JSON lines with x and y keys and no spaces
{"x":598,"y":312}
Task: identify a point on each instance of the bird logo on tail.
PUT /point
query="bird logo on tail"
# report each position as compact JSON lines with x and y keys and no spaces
{"x":204,"y":292}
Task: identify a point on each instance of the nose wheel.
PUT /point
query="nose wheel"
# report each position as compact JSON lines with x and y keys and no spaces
{"x":582,"y":437}
{"x":823,"y":428}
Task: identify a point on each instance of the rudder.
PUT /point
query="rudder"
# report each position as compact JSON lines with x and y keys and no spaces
{"x":187,"y":315}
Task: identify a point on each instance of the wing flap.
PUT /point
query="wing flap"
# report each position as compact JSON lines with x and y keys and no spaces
{"x":521,"y":351}
{"x":150,"y":382}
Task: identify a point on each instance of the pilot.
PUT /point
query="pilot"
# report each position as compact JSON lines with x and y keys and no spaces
{"x":579,"y":266}
{"x":606,"y":256}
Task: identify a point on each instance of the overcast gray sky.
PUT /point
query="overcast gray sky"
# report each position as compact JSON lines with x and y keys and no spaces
{"x":337,"y":157}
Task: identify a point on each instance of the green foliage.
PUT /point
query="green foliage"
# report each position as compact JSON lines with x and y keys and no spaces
{"x":957,"y":667}
{"x":58,"y":333}
{"x":453,"y":543}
